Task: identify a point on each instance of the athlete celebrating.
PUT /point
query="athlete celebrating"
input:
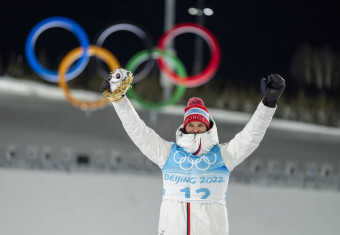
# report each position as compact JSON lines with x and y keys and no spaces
{"x":196,"y":167}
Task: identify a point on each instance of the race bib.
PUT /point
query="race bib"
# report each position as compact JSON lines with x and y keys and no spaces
{"x":191,"y":178}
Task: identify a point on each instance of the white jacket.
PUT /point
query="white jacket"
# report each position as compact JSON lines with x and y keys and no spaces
{"x":178,"y":217}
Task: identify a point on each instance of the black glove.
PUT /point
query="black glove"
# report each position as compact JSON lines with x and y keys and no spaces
{"x":272,"y":88}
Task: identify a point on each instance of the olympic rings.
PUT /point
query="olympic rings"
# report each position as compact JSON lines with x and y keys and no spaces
{"x":139,"y":33}
{"x":179,"y":77}
{"x":48,"y":23}
{"x":67,"y":62}
{"x":186,"y":162}
{"x":209,"y":71}
{"x":139,"y":58}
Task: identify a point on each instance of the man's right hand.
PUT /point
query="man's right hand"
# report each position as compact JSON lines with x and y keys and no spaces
{"x":115,"y":87}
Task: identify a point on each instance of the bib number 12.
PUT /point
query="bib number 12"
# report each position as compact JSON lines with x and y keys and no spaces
{"x":205,"y":191}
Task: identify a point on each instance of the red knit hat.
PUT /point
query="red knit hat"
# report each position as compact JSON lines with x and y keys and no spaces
{"x":196,"y":112}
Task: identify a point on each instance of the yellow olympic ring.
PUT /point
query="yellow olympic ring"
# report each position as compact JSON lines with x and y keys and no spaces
{"x":66,"y":63}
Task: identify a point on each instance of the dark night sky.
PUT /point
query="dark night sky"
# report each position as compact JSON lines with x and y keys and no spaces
{"x":256,"y":37}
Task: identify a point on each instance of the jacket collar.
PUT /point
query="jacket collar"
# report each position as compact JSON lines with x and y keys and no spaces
{"x":197,"y":144}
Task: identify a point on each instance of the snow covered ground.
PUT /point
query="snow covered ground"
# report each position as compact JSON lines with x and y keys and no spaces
{"x":57,"y":203}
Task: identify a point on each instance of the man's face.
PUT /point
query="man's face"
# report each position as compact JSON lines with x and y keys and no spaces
{"x":195,"y":128}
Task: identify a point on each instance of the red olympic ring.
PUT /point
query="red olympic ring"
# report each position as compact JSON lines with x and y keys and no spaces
{"x":208,"y":72}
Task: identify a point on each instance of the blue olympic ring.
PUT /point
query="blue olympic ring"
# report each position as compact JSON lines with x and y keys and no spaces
{"x":61,"y":22}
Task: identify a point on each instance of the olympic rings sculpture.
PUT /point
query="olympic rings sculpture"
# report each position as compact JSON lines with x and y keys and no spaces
{"x":81,"y":57}
{"x":187,"y":163}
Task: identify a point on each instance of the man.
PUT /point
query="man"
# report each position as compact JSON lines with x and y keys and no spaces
{"x":196,"y":167}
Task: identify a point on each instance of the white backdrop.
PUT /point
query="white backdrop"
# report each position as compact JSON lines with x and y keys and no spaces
{"x":57,"y":203}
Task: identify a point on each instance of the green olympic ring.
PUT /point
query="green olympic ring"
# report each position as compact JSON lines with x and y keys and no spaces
{"x":144,"y":55}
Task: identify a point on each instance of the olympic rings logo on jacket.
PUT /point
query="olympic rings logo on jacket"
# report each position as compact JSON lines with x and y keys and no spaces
{"x":86,"y":50}
{"x":186,"y":162}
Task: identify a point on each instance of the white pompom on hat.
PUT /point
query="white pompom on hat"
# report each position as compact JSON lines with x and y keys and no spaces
{"x":196,"y":112}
